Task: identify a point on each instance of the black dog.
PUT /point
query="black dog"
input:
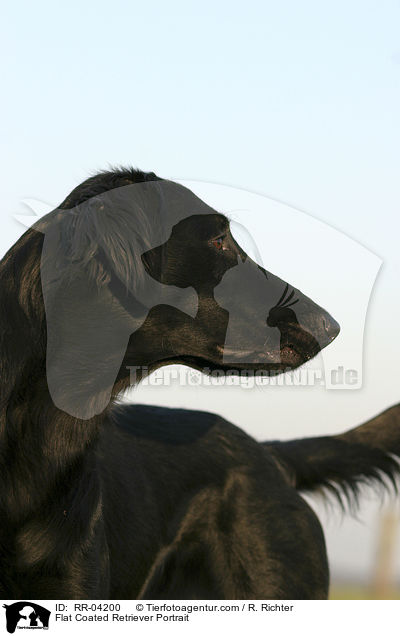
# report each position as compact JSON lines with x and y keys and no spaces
{"x":105,"y":501}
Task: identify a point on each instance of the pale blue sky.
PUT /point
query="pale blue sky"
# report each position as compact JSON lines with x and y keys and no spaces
{"x":297,"y":101}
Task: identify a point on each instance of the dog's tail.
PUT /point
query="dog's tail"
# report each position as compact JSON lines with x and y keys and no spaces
{"x":342,"y":463}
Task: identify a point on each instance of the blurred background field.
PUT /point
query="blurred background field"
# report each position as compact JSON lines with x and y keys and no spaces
{"x":347,"y":591}
{"x":382,"y":583}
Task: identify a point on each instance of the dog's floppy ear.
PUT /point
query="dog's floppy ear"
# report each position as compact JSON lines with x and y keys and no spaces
{"x":87,"y":330}
{"x":88,"y":326}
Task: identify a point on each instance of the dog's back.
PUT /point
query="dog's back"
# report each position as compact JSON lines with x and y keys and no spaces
{"x":204,"y":487}
{"x":205,"y":511}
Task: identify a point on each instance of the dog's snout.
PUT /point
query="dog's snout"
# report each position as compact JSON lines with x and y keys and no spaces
{"x":298,"y":316}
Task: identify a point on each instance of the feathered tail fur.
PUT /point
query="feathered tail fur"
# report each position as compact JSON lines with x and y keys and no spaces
{"x":368,"y":454}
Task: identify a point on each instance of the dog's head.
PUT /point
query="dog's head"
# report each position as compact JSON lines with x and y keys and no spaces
{"x":143,"y":274}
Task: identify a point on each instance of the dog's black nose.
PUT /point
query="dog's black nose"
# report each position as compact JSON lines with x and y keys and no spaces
{"x":330,"y":327}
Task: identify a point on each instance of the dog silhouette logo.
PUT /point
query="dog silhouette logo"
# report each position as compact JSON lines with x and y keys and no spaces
{"x":26,"y":615}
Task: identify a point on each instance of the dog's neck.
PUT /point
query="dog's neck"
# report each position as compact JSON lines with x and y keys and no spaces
{"x":41,"y":447}
{"x":50,"y":492}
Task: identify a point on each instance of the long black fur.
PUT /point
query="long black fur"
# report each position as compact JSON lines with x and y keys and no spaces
{"x":144,"y":502}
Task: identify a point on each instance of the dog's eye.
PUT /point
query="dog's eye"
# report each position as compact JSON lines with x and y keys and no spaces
{"x":218,"y":242}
